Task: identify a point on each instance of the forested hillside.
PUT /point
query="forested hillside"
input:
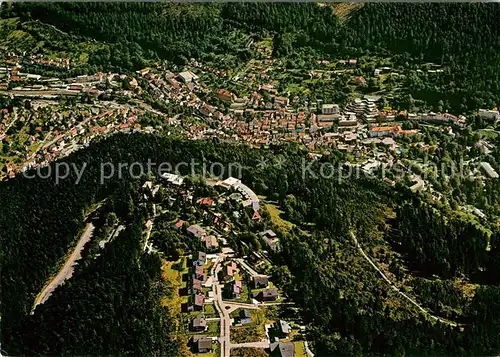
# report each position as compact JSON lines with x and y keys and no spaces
{"x":136,"y":33}
{"x":351,"y":310}
{"x":111,"y":307}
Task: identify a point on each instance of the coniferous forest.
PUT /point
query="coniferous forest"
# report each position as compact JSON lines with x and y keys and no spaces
{"x":113,"y":305}
{"x":324,"y":271}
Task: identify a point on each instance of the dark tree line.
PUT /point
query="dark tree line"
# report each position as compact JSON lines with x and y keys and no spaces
{"x":409,"y":33}
{"x":351,"y":310}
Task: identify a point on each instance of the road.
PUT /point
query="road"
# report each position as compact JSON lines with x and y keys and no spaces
{"x":263,"y":344}
{"x":12,"y":122}
{"x":308,"y":350}
{"x":395,"y":288}
{"x":67,"y":270}
{"x":225,"y":321}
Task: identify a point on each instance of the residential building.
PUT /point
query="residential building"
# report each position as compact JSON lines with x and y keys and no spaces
{"x":195,"y":286}
{"x":225,"y":95}
{"x":201,"y":259}
{"x":197,"y":231}
{"x":198,"y":273}
{"x":195,"y":302}
{"x":202,"y":344}
{"x":236,"y":289}
{"x":284,"y":328}
{"x":188,"y":77}
{"x":330,"y":109}
{"x":173,"y":179}
{"x":199,"y":324}
{"x":244,"y":317}
{"x":282,"y":349}
{"x":260,"y":281}
{"x":489,"y":170}
{"x":281,"y":101}
{"x":268,"y":295}
{"x":269,"y":237}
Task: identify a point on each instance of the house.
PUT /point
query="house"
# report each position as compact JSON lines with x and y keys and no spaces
{"x":202,"y":344}
{"x":489,"y":170}
{"x":268,"y":295}
{"x":260,"y":281}
{"x":196,"y":302}
{"x":281,"y":101}
{"x":188,"y":77}
{"x":229,"y":270}
{"x":269,"y":237}
{"x":229,"y":183}
{"x":198,"y":273}
{"x":206,"y":202}
{"x":197,"y":231}
{"x":199,"y":324}
{"x":225,"y":95}
{"x":195,"y":286}
{"x":382,"y":131}
{"x":283,"y":327}
{"x":282,"y":349}
{"x":201,"y":259}
{"x":210,"y":242}
{"x":172,"y":179}
{"x":143,"y":72}
{"x":244,"y":317}
{"x":179,"y":224}
{"x":256,"y":216}
{"x":77,"y":87}
{"x":236,"y":289}
{"x":269,"y":234}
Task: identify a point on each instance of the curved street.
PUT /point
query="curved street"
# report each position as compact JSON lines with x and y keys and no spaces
{"x":395,"y":288}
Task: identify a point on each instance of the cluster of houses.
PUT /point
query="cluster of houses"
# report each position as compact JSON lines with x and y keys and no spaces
{"x":67,"y":134}
{"x":195,"y":283}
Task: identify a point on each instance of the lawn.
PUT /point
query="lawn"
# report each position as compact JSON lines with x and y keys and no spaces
{"x":249,"y":352}
{"x":276,"y":218}
{"x":300,"y":349}
{"x":213,"y":328}
{"x":252,"y":332}
{"x":210,"y":311}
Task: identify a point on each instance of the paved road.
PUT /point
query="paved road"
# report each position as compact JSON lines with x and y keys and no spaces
{"x":12,"y":122}
{"x":308,"y":350}
{"x":67,"y":270}
{"x":225,"y":321}
{"x":261,"y":344}
{"x":395,"y":288}
{"x":240,"y":305}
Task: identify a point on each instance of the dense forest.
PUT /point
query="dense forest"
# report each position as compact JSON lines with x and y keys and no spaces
{"x":113,"y":304}
{"x":350,"y":309}
{"x":102,"y":310}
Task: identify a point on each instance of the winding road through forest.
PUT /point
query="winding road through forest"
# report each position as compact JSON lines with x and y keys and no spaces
{"x":395,"y":288}
{"x":67,"y":270}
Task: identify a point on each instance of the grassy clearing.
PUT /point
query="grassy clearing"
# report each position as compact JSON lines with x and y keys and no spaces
{"x":249,"y":352}
{"x":213,"y":328}
{"x":300,"y":349}
{"x":488,"y":134}
{"x":210,"y":311}
{"x":279,"y":222}
{"x":172,"y":275}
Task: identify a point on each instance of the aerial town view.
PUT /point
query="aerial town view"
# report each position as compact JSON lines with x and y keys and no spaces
{"x":249,"y":179}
